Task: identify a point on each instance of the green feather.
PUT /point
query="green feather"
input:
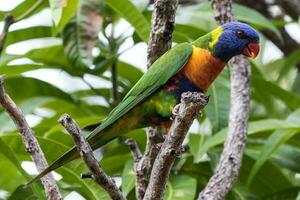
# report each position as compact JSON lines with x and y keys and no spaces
{"x":158,"y":74}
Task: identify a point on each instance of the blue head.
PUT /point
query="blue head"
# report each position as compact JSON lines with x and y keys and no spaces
{"x":234,"y":38}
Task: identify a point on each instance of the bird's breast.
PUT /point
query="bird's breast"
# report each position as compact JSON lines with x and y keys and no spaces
{"x":202,"y":68}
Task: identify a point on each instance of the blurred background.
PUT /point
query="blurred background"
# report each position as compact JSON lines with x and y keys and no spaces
{"x":82,"y":56}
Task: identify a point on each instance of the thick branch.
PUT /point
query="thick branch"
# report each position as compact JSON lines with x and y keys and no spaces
{"x":143,"y":165}
{"x":186,"y":112}
{"x":228,"y":167}
{"x":162,"y":26}
{"x":87,"y":154}
{"x":31,"y":144}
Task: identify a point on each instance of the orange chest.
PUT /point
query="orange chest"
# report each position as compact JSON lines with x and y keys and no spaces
{"x":202,"y":68}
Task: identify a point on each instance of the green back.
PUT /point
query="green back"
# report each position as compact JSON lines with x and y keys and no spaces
{"x":157,"y":75}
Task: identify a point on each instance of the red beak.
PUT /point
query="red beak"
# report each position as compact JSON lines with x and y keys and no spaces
{"x":251,"y":50}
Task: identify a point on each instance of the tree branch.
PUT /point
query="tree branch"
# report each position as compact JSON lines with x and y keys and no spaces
{"x":31,"y":144}
{"x":162,"y":26}
{"x":8,"y":21}
{"x":228,"y":167}
{"x":86,"y":152}
{"x":186,"y":112}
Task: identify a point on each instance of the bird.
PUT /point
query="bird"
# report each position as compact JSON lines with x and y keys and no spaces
{"x":187,"y":67}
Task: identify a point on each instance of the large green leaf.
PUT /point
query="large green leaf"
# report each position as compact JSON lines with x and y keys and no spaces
{"x":14,"y":70}
{"x":52,"y":149}
{"x":181,"y":188}
{"x":23,"y":7}
{"x":27,"y":107}
{"x":268,"y":88}
{"x":27,"y":33}
{"x":22,"y":88}
{"x":128,"y":178}
{"x":11,"y":156}
{"x":218,"y":107}
{"x":274,"y":141}
{"x":270,"y":180}
{"x":55,"y":59}
{"x":81,"y":33}
{"x":201,"y":16}
{"x":254,"y":128}
{"x":127,"y":9}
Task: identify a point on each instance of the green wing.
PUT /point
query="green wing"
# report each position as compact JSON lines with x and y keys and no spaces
{"x":158,"y":74}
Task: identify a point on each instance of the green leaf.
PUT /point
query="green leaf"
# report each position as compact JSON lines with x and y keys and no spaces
{"x":23,"y":7}
{"x":217,"y":109}
{"x":10,"y":155}
{"x":81,"y":33}
{"x":127,"y":9}
{"x":24,"y":193}
{"x":274,"y":141}
{"x":254,"y":128}
{"x":55,"y":59}
{"x":134,"y":75}
{"x":268,"y":88}
{"x":27,"y":33}
{"x":128,"y":177}
{"x":21,"y":88}
{"x":87,"y":189}
{"x":181,"y":188}
{"x":26,"y":106}
{"x":14,"y":70}
{"x":52,"y":149}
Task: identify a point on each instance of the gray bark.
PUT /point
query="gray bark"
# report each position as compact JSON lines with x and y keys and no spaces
{"x":186,"y":112}
{"x":86,"y":152}
{"x":227,"y":170}
{"x":162,"y":26}
{"x":31,"y":144}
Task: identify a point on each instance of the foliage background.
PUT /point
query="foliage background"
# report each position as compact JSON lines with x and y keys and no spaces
{"x":81,"y":57}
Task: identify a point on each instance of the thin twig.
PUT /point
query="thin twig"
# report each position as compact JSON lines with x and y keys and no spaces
{"x":87,"y":154}
{"x":135,"y":150}
{"x":31,"y":144}
{"x":8,"y":21}
{"x":186,"y":112}
{"x":227,"y":170}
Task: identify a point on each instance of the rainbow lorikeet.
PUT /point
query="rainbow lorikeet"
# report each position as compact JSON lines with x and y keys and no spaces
{"x":186,"y":67}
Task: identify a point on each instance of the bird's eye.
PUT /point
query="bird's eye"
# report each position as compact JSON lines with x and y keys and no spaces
{"x":240,"y":33}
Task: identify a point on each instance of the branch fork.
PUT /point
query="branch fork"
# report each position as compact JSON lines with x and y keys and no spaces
{"x":96,"y":173}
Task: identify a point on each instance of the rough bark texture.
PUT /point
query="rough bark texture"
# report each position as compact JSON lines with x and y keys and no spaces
{"x":162,"y":26}
{"x":185,"y":112}
{"x":143,"y":165}
{"x":31,"y":144}
{"x":228,"y":167}
{"x":87,"y":154}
